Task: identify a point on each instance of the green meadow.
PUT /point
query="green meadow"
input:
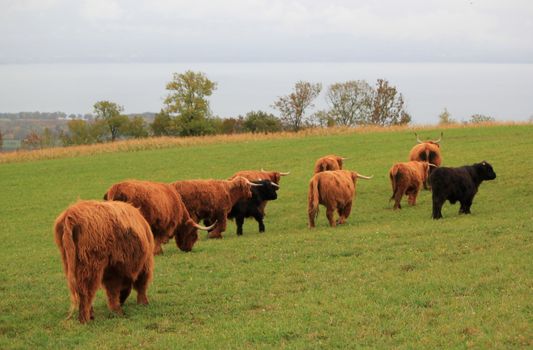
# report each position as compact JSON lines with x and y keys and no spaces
{"x":386,"y":279}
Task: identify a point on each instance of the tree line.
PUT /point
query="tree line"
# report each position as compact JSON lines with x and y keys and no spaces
{"x":186,"y":112}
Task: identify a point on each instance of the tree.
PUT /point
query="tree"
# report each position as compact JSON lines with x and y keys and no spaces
{"x":323,"y":119}
{"x":135,"y":128}
{"x":350,"y":102}
{"x":110,"y":113}
{"x":232,"y":125}
{"x":1,"y":139}
{"x":480,"y":118}
{"x":387,"y":106}
{"x":32,"y":141}
{"x":293,"y":106}
{"x":446,"y":118}
{"x":164,"y":125}
{"x":261,"y":122}
{"x":187,"y":103}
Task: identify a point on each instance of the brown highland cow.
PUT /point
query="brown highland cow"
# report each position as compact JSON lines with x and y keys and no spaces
{"x":335,"y":190}
{"x":212,"y":200}
{"x":330,"y":162}
{"x":406,"y":179}
{"x":164,"y":210}
{"x":427,"y":151}
{"x":104,"y":243}
{"x":256,"y":175}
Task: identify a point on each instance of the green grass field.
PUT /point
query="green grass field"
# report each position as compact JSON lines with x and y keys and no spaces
{"x":386,"y":279}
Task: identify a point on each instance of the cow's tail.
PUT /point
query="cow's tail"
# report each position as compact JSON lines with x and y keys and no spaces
{"x":312,"y":206}
{"x":394,"y":179}
{"x":64,"y":236}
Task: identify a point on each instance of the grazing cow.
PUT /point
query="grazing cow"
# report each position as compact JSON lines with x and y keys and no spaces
{"x":330,"y":162}
{"x":407,"y":178}
{"x":335,"y":190}
{"x":164,"y":210}
{"x":104,"y":243}
{"x":427,"y":151}
{"x":253,"y":207}
{"x":212,"y":200}
{"x":458,"y":185}
{"x":255,"y":175}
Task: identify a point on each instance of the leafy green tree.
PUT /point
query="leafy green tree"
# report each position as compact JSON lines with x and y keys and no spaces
{"x":136,"y":128}
{"x":388,"y":106}
{"x":350,"y":102}
{"x":293,"y":106}
{"x":232,"y":125}
{"x":446,"y":118}
{"x":480,"y":118}
{"x":187,"y":103}
{"x":323,"y":119}
{"x":259,"y":121}
{"x":110,"y":113}
{"x":164,"y":125}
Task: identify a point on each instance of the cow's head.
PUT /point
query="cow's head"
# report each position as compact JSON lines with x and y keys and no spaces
{"x":267,"y":190}
{"x":187,"y":234}
{"x":485,"y":171}
{"x":433,"y":142}
{"x":274,"y":176}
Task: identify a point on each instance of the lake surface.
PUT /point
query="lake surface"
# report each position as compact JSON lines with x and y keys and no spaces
{"x":503,"y":91}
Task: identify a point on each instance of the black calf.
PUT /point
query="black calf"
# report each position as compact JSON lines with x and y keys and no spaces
{"x":254,"y":207}
{"x":458,"y":185}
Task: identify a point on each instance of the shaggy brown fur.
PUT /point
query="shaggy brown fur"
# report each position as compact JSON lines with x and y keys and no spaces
{"x":428,"y":151}
{"x":162,"y":207}
{"x":212,"y":200}
{"x":256,"y":175}
{"x":330,"y":162}
{"x":407,"y":178}
{"x":104,"y":243}
{"x":335,"y":190}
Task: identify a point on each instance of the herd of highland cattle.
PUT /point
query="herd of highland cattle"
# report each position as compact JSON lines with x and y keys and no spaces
{"x":111,"y":243}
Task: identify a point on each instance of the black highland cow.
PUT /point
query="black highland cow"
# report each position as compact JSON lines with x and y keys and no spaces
{"x":458,"y":185}
{"x":254,"y":207}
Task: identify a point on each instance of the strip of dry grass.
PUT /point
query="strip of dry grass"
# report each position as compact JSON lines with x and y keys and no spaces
{"x":169,"y":142}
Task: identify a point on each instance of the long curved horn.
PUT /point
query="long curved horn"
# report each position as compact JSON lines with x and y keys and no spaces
{"x":251,"y":183}
{"x":437,"y":141}
{"x":417,"y":139}
{"x":274,"y":184}
{"x":432,"y":165}
{"x":284,"y":174}
{"x":343,"y":158}
{"x":204,"y":228}
{"x":365,"y":177}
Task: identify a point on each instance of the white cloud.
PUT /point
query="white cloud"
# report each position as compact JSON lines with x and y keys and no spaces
{"x":101,"y":10}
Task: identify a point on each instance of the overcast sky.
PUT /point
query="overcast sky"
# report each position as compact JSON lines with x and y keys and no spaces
{"x":265,"y":30}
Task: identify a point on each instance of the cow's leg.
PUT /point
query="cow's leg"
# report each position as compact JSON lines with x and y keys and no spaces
{"x":437,"y":206}
{"x":220,"y":227}
{"x":311,"y":219}
{"x":258,"y":216}
{"x":239,"y":221}
{"x":158,"y":242}
{"x":141,"y":285}
{"x":345,"y":213}
{"x":87,"y":285}
{"x":465,"y":206}
{"x":412,"y":196}
{"x":330,"y":215}
{"x":112,"y":282}
{"x":125,"y":290}
{"x":400,"y":190}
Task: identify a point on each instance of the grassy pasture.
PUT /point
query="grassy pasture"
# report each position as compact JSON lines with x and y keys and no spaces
{"x":385,"y":279}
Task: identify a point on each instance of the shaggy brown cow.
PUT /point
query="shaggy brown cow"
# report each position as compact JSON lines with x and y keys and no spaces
{"x":407,"y":178}
{"x":255,"y":175}
{"x":427,"y":151}
{"x":104,"y":243}
{"x":164,"y":210}
{"x":212,"y":200}
{"x":330,"y":162}
{"x":335,"y":190}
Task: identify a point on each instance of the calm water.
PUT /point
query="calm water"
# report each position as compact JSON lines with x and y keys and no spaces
{"x":504,"y":91}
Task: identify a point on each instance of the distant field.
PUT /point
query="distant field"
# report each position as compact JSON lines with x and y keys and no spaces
{"x":386,"y":279}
